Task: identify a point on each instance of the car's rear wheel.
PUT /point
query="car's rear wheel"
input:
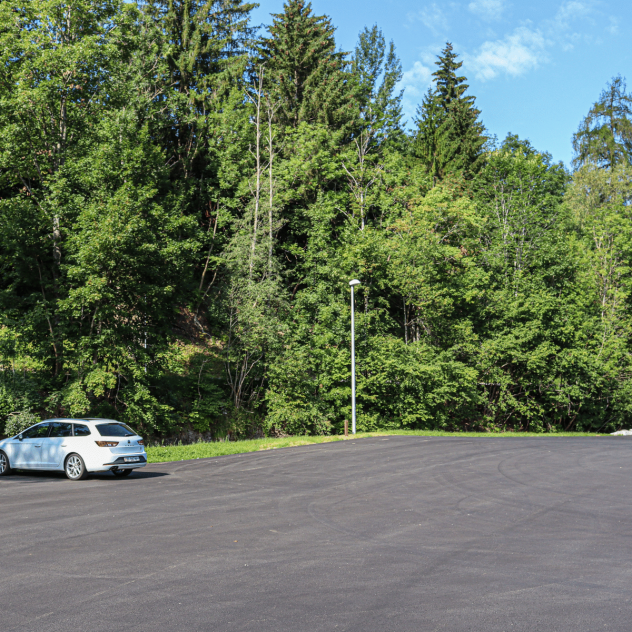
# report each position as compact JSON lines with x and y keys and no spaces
{"x":5,"y":466}
{"x":75,"y":467}
{"x":121,"y":472}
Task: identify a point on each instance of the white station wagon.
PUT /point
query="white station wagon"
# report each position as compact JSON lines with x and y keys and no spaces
{"x":75,"y":446}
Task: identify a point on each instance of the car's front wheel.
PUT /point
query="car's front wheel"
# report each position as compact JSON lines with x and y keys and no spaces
{"x":75,"y":467}
{"x":121,"y":472}
{"x":5,"y":466}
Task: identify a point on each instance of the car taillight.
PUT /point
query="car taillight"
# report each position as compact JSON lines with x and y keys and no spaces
{"x":141,"y":442}
{"x":107,"y":444}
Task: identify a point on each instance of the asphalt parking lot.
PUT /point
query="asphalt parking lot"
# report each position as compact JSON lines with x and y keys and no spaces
{"x":397,"y":534}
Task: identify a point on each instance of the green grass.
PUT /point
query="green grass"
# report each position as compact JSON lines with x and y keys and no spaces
{"x":163,"y":454}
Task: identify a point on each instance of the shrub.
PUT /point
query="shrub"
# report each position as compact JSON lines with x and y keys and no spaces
{"x":20,"y":421}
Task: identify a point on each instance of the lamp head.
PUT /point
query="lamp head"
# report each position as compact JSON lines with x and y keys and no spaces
{"x":354,"y":282}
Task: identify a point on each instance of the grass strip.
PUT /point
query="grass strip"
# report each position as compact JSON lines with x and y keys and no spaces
{"x":163,"y":454}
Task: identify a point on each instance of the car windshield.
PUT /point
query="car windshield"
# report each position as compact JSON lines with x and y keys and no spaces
{"x":115,"y":430}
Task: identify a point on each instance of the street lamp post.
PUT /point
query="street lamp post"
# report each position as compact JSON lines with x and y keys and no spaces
{"x":353,"y":380}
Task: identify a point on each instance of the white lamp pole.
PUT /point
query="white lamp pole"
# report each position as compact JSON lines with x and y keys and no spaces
{"x":353,"y":380}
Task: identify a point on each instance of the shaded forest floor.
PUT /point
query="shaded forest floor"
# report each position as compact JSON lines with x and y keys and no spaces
{"x":202,"y":450}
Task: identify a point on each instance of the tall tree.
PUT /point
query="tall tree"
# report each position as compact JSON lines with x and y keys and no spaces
{"x":600,"y":200}
{"x":378,"y":70}
{"x":91,"y":260}
{"x":202,"y":42}
{"x":600,"y":203}
{"x":429,"y":144}
{"x":55,"y":84}
{"x":450,"y":137}
{"x":304,"y":70}
{"x":521,"y":189}
{"x":604,"y":137}
{"x":201,"y":120}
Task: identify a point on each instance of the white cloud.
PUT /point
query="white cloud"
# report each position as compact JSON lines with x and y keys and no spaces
{"x":416,"y":80}
{"x":415,"y":83}
{"x":524,"y":49}
{"x":515,"y":54}
{"x":571,"y":10}
{"x":432,"y":17}
{"x":487,"y":9}
{"x":561,"y":27}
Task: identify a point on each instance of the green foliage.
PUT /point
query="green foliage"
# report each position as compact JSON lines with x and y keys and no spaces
{"x":449,"y":138}
{"x":604,"y":137}
{"x":304,"y":71}
{"x":18,"y":396}
{"x":599,"y":200}
{"x":178,"y":238}
{"x":20,"y":421}
{"x":377,"y":71}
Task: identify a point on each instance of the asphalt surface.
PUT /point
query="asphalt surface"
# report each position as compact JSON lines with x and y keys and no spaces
{"x":384,"y":535}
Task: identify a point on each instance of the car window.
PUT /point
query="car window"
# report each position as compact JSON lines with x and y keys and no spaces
{"x":36,"y":432}
{"x":60,"y":429}
{"x":81,"y":431}
{"x":115,"y":430}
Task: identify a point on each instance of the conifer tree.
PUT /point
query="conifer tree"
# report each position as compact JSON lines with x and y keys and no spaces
{"x":378,"y":70}
{"x":200,"y":118}
{"x":449,"y":137}
{"x":201,"y":42}
{"x":304,"y":70}
{"x":428,"y":143}
{"x":604,"y":137}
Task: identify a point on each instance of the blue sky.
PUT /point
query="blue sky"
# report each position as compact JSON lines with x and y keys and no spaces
{"x":535,"y":67}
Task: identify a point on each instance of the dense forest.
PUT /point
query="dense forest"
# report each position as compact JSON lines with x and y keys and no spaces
{"x":185,"y":197}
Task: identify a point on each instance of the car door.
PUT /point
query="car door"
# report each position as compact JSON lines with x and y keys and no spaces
{"x":17,"y":458}
{"x":28,"y":450}
{"x":54,"y":447}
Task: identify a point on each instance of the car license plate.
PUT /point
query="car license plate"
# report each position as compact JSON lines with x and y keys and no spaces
{"x":131,"y":459}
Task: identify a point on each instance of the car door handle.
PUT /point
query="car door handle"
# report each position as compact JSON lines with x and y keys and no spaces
{"x":38,"y":446}
{"x":63,"y":445}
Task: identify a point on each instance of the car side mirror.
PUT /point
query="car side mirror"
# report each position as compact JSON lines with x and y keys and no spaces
{"x":20,"y":437}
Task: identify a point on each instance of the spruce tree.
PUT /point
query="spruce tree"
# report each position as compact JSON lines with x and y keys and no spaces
{"x":428,"y":144}
{"x":200,"y":119}
{"x":303,"y":69}
{"x":449,"y":137}
{"x":201,"y":42}
{"x":449,"y":86}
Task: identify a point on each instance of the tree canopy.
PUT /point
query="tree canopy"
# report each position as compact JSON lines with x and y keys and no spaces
{"x":450,"y":137}
{"x":604,"y":137}
{"x":184,"y":198}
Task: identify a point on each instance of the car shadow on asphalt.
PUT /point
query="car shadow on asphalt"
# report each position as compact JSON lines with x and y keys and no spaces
{"x":33,"y":476}
{"x":131,"y":477}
